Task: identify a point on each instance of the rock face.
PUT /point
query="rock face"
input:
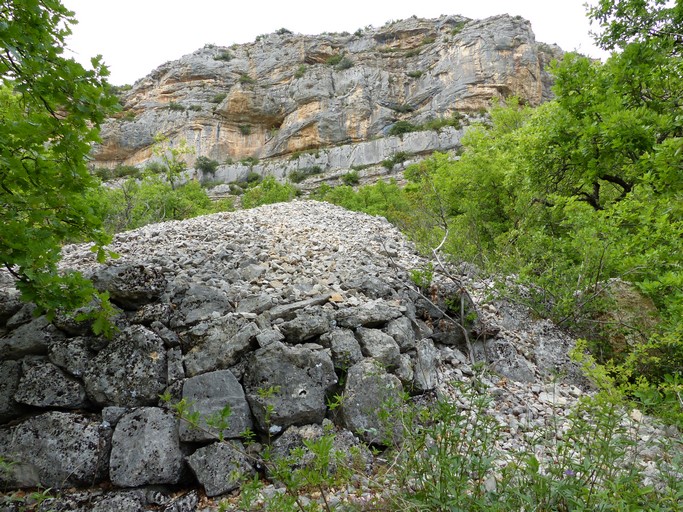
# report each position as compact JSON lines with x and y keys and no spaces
{"x":288,"y":93}
{"x":293,"y":315}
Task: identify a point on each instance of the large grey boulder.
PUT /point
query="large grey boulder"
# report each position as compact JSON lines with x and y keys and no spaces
{"x":145,"y":449}
{"x":375,"y":313}
{"x":370,"y":397}
{"x":208,"y":394}
{"x":287,"y":385}
{"x":10,"y":372}
{"x":32,"y":338}
{"x":427,"y":358}
{"x":306,"y":325}
{"x":44,"y":385}
{"x":72,"y":355}
{"x":344,"y":346}
{"x":401,"y":329}
{"x":221,"y":467}
{"x":55,"y":449}
{"x":130,"y":285}
{"x":130,"y":371}
{"x":10,"y":304}
{"x":380,"y":346}
{"x":198,"y":303}
{"x":219,"y":344}
{"x":289,"y":310}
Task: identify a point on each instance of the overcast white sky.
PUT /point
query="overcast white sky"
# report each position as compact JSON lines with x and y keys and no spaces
{"x":136,"y":36}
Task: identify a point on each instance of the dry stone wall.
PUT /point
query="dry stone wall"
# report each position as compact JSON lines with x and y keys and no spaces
{"x":271,"y":311}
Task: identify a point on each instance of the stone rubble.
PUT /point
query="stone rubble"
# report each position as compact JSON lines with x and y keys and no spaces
{"x":273,"y":311}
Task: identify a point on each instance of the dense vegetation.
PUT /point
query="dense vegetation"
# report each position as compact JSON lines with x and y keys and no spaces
{"x":51,"y":110}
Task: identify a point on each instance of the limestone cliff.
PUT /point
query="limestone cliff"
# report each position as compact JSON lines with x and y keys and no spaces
{"x":288,"y":92}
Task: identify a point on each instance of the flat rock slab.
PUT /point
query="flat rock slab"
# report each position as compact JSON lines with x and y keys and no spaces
{"x":145,"y":449}
{"x":55,"y":449}
{"x":220,"y":467}
{"x":130,"y":285}
{"x":287,"y":385}
{"x":207,"y":394}
{"x":130,"y":371}
{"x":44,"y":385}
{"x":369,"y":391}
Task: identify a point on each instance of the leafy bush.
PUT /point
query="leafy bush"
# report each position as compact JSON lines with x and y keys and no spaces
{"x":269,"y":191}
{"x":253,"y":178}
{"x":300,"y":72}
{"x":344,"y":63}
{"x":176,"y":106}
{"x":350,"y":178}
{"x":218,"y":98}
{"x":401,"y":127}
{"x":415,"y":74}
{"x":122,"y":171}
{"x":138,"y":203}
{"x":224,"y":56}
{"x":246,"y":79}
{"x":245,"y":129}
{"x":283,"y":31}
{"x":206,"y":165}
{"x":299,"y":175}
{"x":436,"y":124}
{"x":250,"y":161}
{"x":458,"y":28}
{"x":397,"y":158}
{"x":334,"y":59}
{"x":195,"y":108}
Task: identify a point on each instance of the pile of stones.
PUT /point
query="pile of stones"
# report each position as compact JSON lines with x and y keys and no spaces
{"x":273,"y":312}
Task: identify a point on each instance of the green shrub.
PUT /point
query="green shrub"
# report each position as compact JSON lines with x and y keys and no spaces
{"x":245,"y":129}
{"x":246,"y":79}
{"x":195,"y":108}
{"x":458,"y":28}
{"x":176,"y":106}
{"x":358,"y":32}
{"x":224,"y":56}
{"x":253,"y":178}
{"x":103,"y":173}
{"x":269,"y":191}
{"x":334,"y":59}
{"x":344,"y":63}
{"x":137,"y":203}
{"x":401,"y":127}
{"x":299,"y":175}
{"x":300,"y":72}
{"x":415,"y":74}
{"x":436,"y":124}
{"x":206,"y":165}
{"x":396,"y":158}
{"x":250,"y":161}
{"x":350,"y":178}
{"x":283,"y":31}
{"x":123,"y":171}
{"x":154,"y":168}
{"x":218,"y":98}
